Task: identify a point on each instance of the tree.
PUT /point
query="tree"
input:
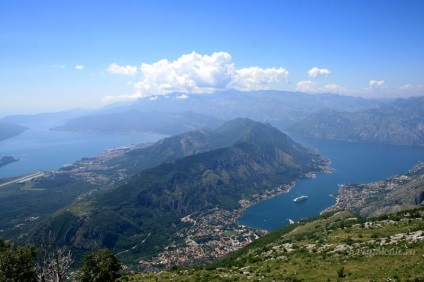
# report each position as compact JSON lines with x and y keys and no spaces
{"x":100,"y":265}
{"x":17,"y":263}
{"x":54,"y":263}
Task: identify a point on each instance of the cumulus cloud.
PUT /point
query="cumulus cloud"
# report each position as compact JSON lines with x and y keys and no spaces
{"x":190,"y":73}
{"x":376,"y":84}
{"x":315,"y":72}
{"x":125,"y":70}
{"x":306,"y":86}
{"x":196,"y":73}
{"x":79,"y":67}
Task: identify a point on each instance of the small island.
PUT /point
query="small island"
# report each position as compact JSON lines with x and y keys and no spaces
{"x":5,"y":160}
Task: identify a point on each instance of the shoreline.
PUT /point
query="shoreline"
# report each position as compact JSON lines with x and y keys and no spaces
{"x":5,"y":160}
{"x":222,"y":227}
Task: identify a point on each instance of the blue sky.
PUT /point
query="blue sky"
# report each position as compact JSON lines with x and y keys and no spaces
{"x":57,"y":55}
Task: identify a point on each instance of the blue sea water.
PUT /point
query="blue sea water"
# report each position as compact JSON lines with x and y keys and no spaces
{"x":353,"y":163}
{"x":39,"y":149}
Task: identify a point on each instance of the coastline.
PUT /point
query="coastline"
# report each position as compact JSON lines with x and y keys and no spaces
{"x":360,"y":197}
{"x":225,"y":234}
{"x":221,"y":226}
{"x":5,"y":160}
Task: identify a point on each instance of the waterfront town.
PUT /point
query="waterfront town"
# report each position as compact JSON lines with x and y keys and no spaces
{"x":353,"y":197}
{"x":212,"y":234}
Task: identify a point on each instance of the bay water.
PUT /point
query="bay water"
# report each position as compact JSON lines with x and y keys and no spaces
{"x":40,"y":149}
{"x":353,"y":163}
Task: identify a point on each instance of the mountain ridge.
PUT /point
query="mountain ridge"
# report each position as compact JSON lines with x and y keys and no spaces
{"x":400,"y":122}
{"x":155,"y":200}
{"x":281,"y":108}
{"x":134,"y":120}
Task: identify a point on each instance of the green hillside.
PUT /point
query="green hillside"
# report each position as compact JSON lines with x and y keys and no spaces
{"x":144,"y":217}
{"x":90,"y":176}
{"x":335,"y":247}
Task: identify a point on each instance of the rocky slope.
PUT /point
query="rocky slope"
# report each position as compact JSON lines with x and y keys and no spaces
{"x":334,"y":247}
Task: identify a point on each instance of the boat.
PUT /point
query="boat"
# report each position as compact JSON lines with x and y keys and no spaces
{"x":300,"y":199}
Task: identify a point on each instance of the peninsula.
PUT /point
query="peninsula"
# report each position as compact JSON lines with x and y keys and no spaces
{"x":5,"y":160}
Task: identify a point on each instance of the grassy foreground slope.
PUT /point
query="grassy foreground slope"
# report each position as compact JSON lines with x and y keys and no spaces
{"x":334,"y":247}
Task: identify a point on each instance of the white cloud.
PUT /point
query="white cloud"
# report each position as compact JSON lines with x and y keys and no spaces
{"x":196,"y":73}
{"x":407,"y":86}
{"x":119,"y":98}
{"x":334,"y":88}
{"x":315,"y":72}
{"x":190,"y":73}
{"x":255,"y":78}
{"x":182,"y":96}
{"x":376,"y":84}
{"x":412,"y":87}
{"x":306,"y":85}
{"x":125,"y":70}
{"x":79,"y":67}
{"x":60,"y":66}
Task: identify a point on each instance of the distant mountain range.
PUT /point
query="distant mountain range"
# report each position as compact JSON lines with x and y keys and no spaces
{"x":177,"y":111}
{"x":279,"y":108}
{"x":135,"y":121}
{"x":14,"y":125}
{"x":400,"y":122}
{"x":193,"y":172}
{"x":41,"y":117}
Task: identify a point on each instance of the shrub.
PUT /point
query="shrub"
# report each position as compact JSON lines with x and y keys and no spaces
{"x":100,"y":265}
{"x":17,"y":263}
